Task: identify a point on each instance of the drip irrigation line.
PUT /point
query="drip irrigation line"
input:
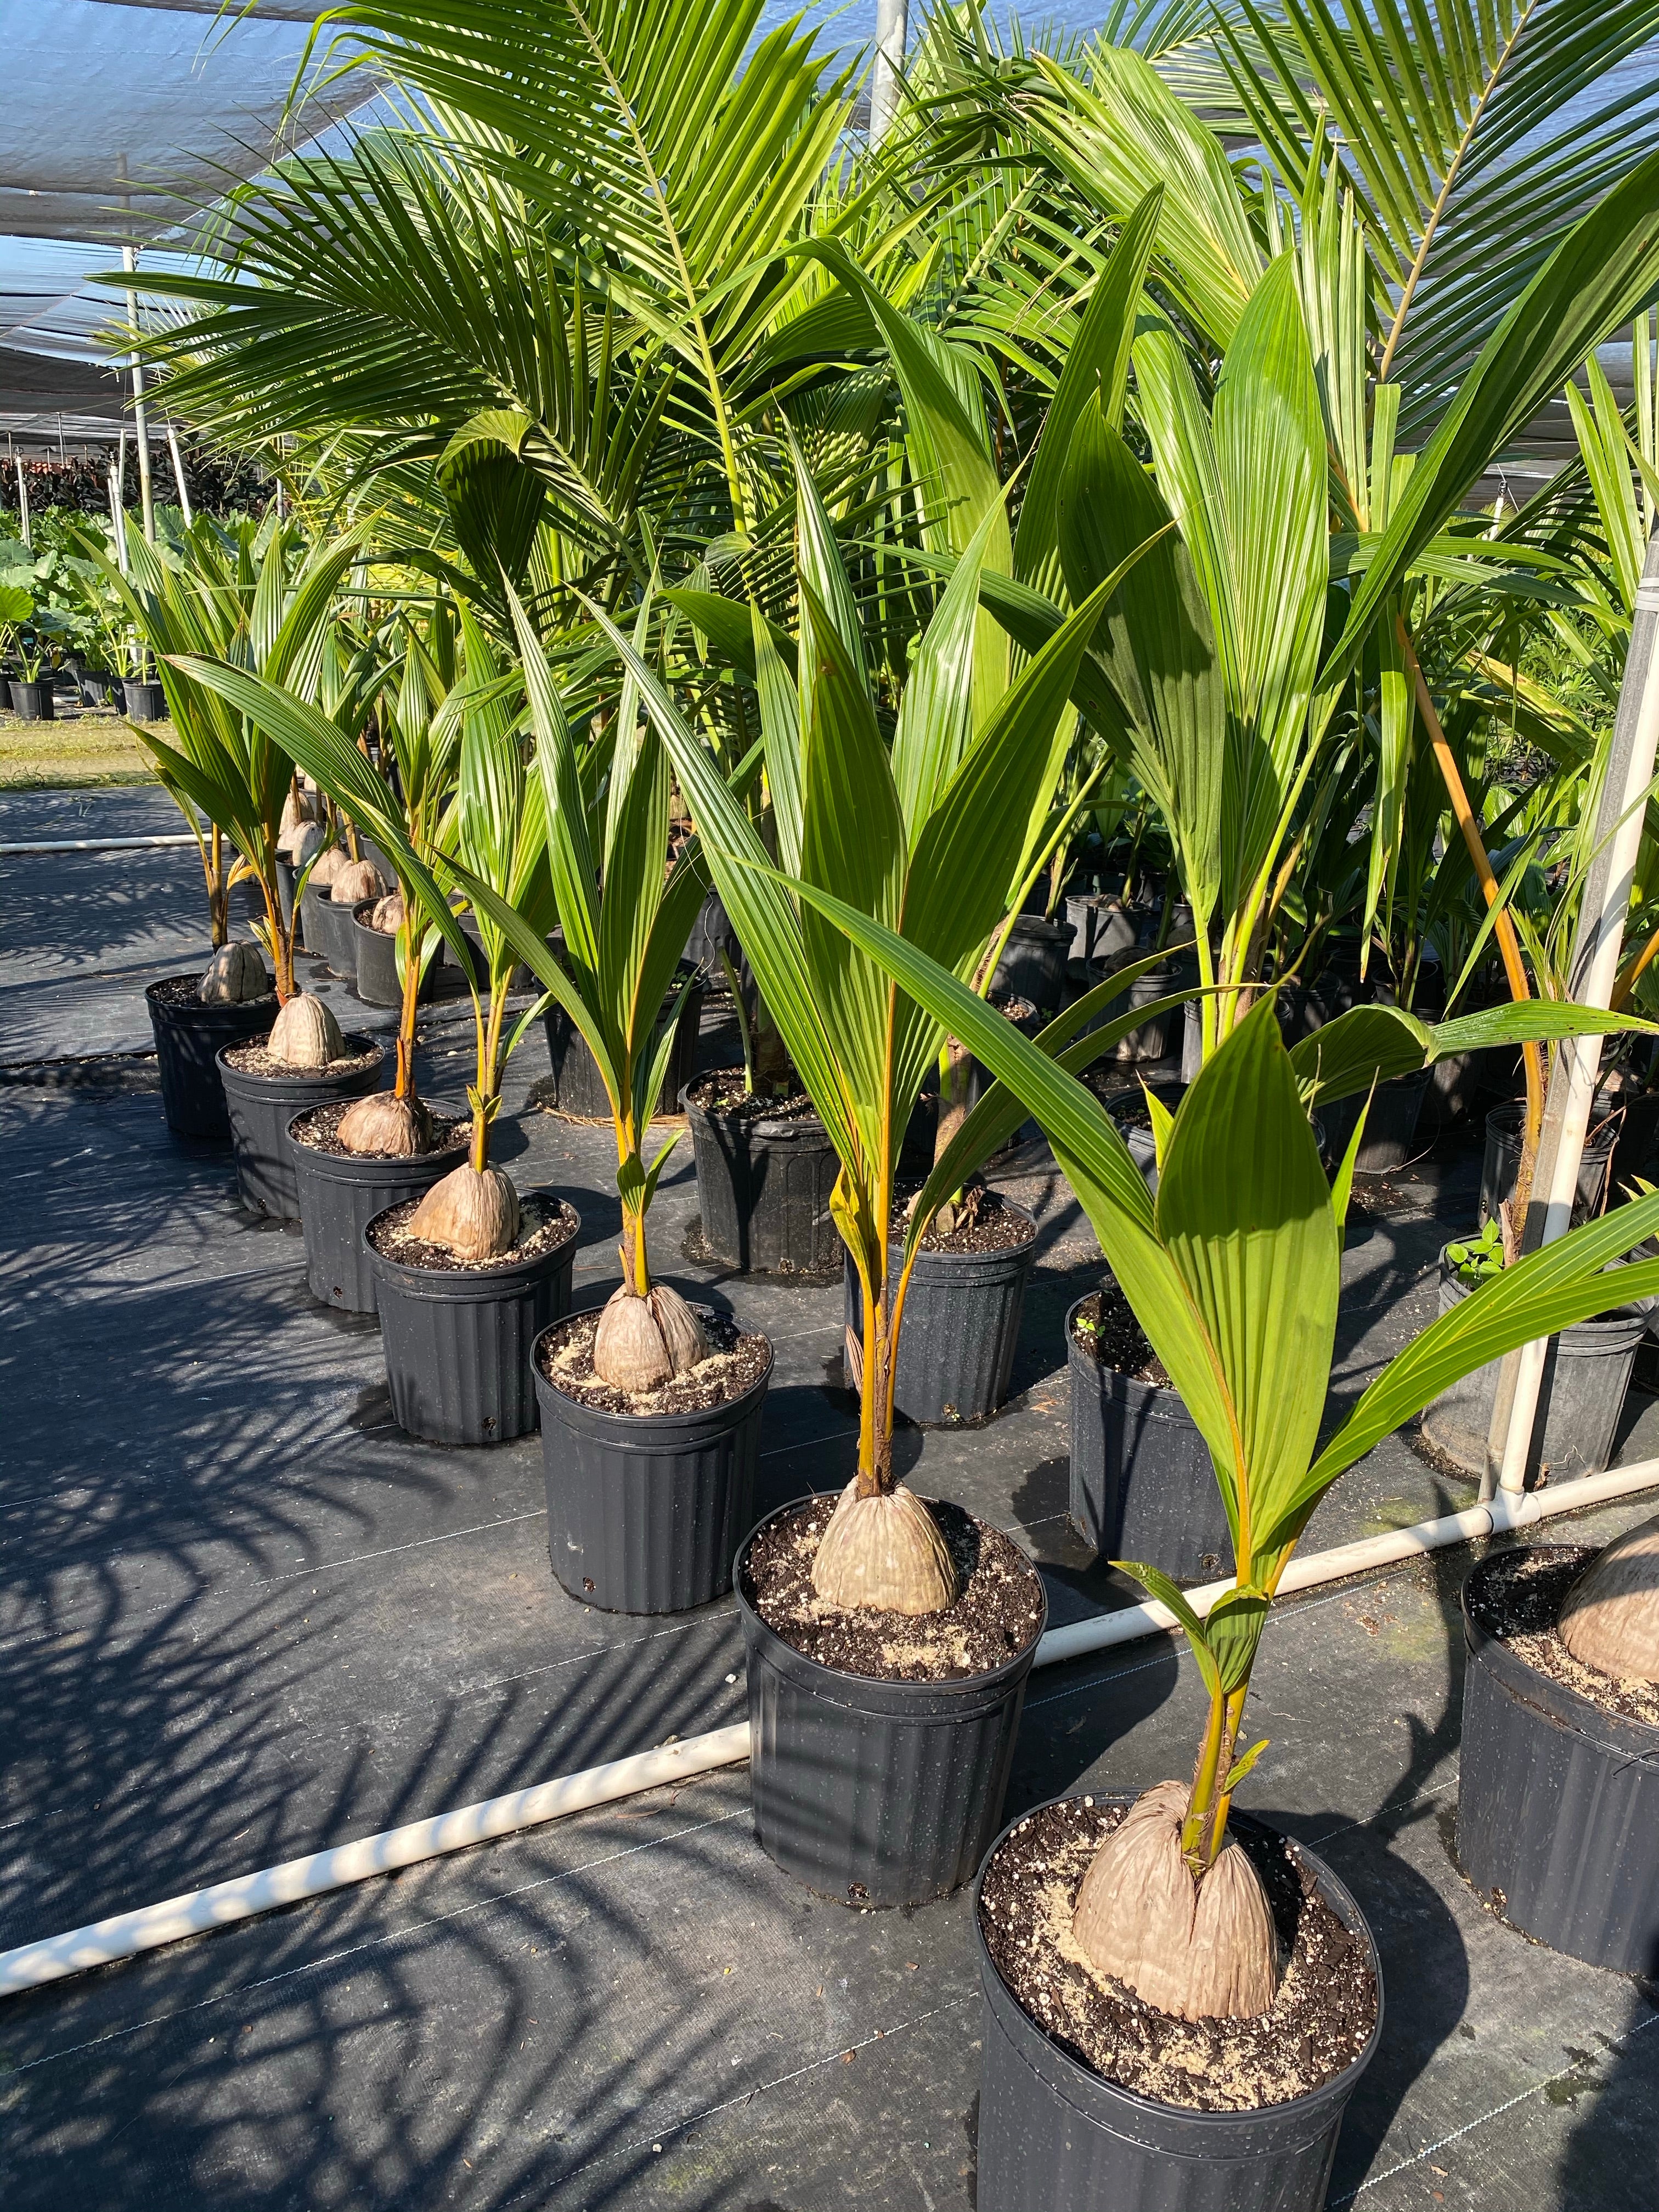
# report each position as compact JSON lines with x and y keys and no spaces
{"x":198,"y":1911}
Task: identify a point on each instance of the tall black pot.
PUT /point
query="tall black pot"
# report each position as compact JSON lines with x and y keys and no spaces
{"x":763,"y":1189}
{"x":377,"y":961}
{"x":871,"y":1792}
{"x":1054,"y":2134}
{"x":1558,"y":1810}
{"x":261,"y":1108}
{"x":1501,"y":1165}
{"x":1142,"y":1484}
{"x":340,"y":1194}
{"x":33,"y":702}
{"x":1033,"y":963}
{"x":1390,"y":1138}
{"x":644,"y":1511}
{"x":330,"y":933}
{"x":457,"y":1340}
{"x":578,"y":1088}
{"x":960,"y":1331}
{"x":144,"y":701}
{"x":188,"y":1041}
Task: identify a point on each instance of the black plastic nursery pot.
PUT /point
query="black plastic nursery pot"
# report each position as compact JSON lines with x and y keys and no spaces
{"x":712,"y":933}
{"x":457,"y":1339}
{"x":377,"y":961}
{"x":960,"y":1330}
{"x":578,"y":1087}
{"x":1390,"y":1138}
{"x":1558,"y":1813}
{"x":1033,"y":963}
{"x":764,"y":1187}
{"x":97,"y":687}
{"x":340,"y":1194}
{"x":330,"y":933}
{"x":1501,"y":1163}
{"x":189,"y":1038}
{"x":1142,"y":1484}
{"x":871,"y":1792}
{"x":144,"y":701}
{"x":33,"y":702}
{"x":644,"y":1511}
{"x":262,"y":1106}
{"x":1587,"y":1371}
{"x":1156,"y":1039}
{"x":1056,"y":2136}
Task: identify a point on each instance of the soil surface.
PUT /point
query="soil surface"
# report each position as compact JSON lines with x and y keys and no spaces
{"x":1316,"y":2026}
{"x":997,"y":1225}
{"x":1518,"y":1595}
{"x":544,"y":1223}
{"x":998,"y":1614}
{"x":721,"y":1091}
{"x":1128,"y":1109}
{"x":186,"y":991}
{"x":317,"y":1129}
{"x":1105,"y":1327}
{"x":736,"y":1363}
{"x":254,"y":1059}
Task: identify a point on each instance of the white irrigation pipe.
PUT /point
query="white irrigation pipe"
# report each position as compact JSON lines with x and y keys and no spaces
{"x":199,"y":1912}
{"x":97,"y":844}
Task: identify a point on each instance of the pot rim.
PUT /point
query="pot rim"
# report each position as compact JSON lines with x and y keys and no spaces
{"x":999,"y":1253}
{"x":809,"y":1126}
{"x":635,"y":1425}
{"x":406,"y":1161}
{"x":1498,"y":1118}
{"x":965,"y":1685}
{"x":1070,"y":2070}
{"x":361,"y":1039}
{"x":362,"y":907}
{"x":438,"y":1280}
{"x":201,"y":1005}
{"x":1557,"y":1704}
{"x":1617,"y":1317}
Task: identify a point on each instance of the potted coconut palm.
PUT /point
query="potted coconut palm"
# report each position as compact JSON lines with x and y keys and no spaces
{"x":1171,"y":1942}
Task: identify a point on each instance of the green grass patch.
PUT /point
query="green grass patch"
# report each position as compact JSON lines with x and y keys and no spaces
{"x":73,"y":754}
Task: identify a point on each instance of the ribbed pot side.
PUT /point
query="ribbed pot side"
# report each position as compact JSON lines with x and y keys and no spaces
{"x":644,"y":1511}
{"x":763,"y":1190}
{"x":873,"y":1792}
{"x":1056,"y":2137}
{"x":340,"y":1194}
{"x":261,"y":1108}
{"x":1558,"y":1811}
{"x":188,"y":1042}
{"x":458,"y":1341}
{"x":960,"y":1331}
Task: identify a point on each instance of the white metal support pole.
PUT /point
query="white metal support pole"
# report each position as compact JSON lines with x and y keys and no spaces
{"x":179,"y":475}
{"x":22,"y":502}
{"x":140,"y":420}
{"x":891,"y":36}
{"x":117,"y":518}
{"x":1575,"y":1062}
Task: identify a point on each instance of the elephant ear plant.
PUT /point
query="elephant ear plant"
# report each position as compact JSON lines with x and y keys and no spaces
{"x":1234,"y":1273}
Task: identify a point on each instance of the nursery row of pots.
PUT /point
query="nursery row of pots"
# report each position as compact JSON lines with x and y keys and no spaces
{"x":34,"y":700}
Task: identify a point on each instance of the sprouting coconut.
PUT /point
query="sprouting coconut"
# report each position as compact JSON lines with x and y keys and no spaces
{"x":472,"y":1213}
{"x":326,"y":872}
{"x":298,"y":812}
{"x":356,"y":880}
{"x":644,"y":1341}
{"x":389,"y":914}
{"x":308,"y":842}
{"x":236,"y":973}
{"x":306,"y":1034}
{"x":1611,"y":1618}
{"x":384,"y":1123}
{"x":1201,"y":1950}
{"x":885,"y":1550}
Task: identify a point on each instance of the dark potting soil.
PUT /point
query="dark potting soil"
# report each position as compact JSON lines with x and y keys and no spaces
{"x":317,"y":1130}
{"x":1518,"y":1595}
{"x":735,"y":1364}
{"x":254,"y":1059}
{"x":997,"y":1614}
{"x":996,"y":1225}
{"x":1316,"y":2026}
{"x":721,"y":1091}
{"x":186,"y":991}
{"x":544,"y":1226}
{"x":1105,"y":1325}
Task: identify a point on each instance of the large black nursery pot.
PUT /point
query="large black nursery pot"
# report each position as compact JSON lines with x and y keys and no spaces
{"x":1033,"y":963}
{"x":377,"y":961}
{"x":577,"y":1087}
{"x":145,"y":702}
{"x":763,"y":1188}
{"x":961,"y":1327}
{"x":340,"y":1194}
{"x":871,"y":1792}
{"x":1156,"y":1038}
{"x":1502,"y":1164}
{"x":457,"y":1340}
{"x":33,"y":702}
{"x":1056,"y":2136}
{"x":1587,"y":1371}
{"x":1390,"y":1138}
{"x":189,"y":1038}
{"x":712,"y":933}
{"x":1558,"y":1811}
{"x":645,"y":1511}
{"x":261,"y":1108}
{"x":1142,"y":1484}
{"x":330,"y":933}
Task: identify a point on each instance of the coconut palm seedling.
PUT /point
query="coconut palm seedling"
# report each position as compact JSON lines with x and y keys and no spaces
{"x":1233,"y":1270}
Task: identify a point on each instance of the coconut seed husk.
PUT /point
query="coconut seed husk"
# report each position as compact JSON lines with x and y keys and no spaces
{"x":356,"y":880}
{"x":389,"y":914}
{"x":383,"y":1123}
{"x":1611,"y":1618}
{"x":1201,"y":1950}
{"x":306,"y":1034}
{"x":236,"y":973}
{"x":472,"y":1214}
{"x":308,"y":840}
{"x":884,"y":1552}
{"x":643,"y":1342}
{"x":328,"y":867}
{"x":298,"y":814}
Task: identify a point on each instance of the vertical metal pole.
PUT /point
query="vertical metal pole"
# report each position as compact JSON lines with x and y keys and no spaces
{"x":116,"y":517}
{"x":891,"y":35}
{"x":1601,"y":918}
{"x":179,"y":474}
{"x":140,"y":420}
{"x":23,"y":503}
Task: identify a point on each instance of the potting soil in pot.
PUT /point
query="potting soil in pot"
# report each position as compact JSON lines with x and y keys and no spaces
{"x":1105,"y":1325}
{"x":1318,"y":2024}
{"x":735,"y":1364}
{"x":254,"y":1059}
{"x":544,"y":1224}
{"x":721,"y":1091}
{"x":998,"y":1614}
{"x":1518,"y":1596}
{"x":996,"y":1226}
{"x":317,"y":1129}
{"x":185,"y":991}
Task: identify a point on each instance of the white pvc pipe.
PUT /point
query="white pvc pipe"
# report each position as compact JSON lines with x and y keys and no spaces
{"x":887,"y":74}
{"x":97,"y":844}
{"x":198,"y":1911}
